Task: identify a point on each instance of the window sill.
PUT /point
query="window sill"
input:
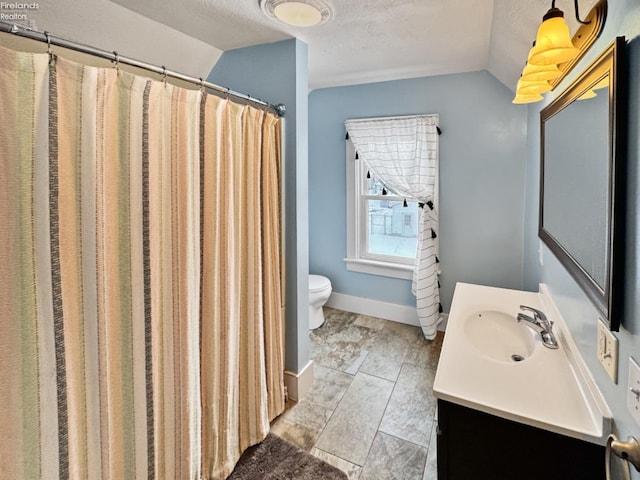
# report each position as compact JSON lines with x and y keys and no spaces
{"x":384,"y":269}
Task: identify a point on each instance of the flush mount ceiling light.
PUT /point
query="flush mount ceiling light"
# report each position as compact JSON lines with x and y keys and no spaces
{"x":301,"y":13}
{"x":553,"y":46}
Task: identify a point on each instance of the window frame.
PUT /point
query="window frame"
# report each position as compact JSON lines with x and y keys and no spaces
{"x":358,"y":258}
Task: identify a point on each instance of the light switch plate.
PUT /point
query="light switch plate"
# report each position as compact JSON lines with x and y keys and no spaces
{"x":607,"y":350}
{"x":633,"y":392}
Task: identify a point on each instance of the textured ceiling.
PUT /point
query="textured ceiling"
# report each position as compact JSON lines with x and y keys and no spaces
{"x":375,"y":40}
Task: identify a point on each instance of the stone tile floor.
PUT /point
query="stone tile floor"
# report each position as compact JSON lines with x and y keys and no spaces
{"x":371,"y":410}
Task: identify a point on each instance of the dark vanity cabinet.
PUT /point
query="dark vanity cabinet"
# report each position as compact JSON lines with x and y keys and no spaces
{"x":474,"y":445}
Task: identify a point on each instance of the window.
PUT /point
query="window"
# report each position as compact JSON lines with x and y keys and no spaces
{"x":381,"y":232}
{"x":403,"y":153}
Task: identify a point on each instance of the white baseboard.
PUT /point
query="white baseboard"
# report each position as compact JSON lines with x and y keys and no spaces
{"x":376,"y":308}
{"x":299,"y":384}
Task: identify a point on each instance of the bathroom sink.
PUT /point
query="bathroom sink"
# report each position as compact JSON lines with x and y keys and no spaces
{"x":550,"y":389}
{"x":499,"y":336}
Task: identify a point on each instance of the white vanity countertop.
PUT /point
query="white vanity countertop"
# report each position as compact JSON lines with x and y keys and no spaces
{"x":551,"y":389}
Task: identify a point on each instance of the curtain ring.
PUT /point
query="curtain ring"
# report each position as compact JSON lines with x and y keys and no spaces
{"x":116,"y":60}
{"x":201,"y":85}
{"x":46,"y":34}
{"x":164,"y":75}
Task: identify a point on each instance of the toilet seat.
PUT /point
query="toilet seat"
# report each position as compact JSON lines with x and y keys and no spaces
{"x":317,"y":283}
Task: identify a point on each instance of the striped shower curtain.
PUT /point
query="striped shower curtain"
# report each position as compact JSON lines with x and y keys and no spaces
{"x":141,"y":321}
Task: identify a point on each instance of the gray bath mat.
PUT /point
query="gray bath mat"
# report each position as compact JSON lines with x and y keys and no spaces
{"x":276,"y":459}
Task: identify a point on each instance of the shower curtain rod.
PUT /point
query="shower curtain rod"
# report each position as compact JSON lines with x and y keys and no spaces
{"x":49,"y":39}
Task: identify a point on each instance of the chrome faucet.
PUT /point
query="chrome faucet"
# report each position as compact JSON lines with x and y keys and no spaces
{"x":540,"y":324}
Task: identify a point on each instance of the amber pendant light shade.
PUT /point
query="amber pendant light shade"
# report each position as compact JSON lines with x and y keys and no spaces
{"x":553,"y":42}
{"x":536,"y":73}
{"x":587,"y":95}
{"x":527,"y":98}
{"x":554,"y":52}
{"x":533,"y":88}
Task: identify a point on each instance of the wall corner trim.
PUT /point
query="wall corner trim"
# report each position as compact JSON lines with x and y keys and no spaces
{"x":299,"y":384}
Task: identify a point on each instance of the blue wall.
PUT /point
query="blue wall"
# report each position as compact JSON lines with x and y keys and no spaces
{"x":482,"y":159}
{"x":488,"y":158}
{"x":623,"y":19}
{"x":277,"y":72}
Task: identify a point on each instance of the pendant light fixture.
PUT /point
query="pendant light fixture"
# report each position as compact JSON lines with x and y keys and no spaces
{"x":587,"y":95}
{"x":527,"y":98}
{"x":533,"y":73}
{"x":553,"y":41}
{"x":301,"y":13}
{"x":553,"y":46}
{"x":533,"y":88}
{"x":603,"y":83}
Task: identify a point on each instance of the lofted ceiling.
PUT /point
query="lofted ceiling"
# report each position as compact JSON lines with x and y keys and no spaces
{"x":377,"y":40}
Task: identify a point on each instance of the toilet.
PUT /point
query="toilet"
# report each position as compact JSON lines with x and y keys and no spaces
{"x":319,"y":292}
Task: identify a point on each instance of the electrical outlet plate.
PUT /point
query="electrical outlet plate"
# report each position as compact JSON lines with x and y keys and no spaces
{"x":608,"y":350}
{"x":633,"y":392}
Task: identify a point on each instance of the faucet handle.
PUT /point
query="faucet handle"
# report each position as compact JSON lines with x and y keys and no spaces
{"x":537,"y":313}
